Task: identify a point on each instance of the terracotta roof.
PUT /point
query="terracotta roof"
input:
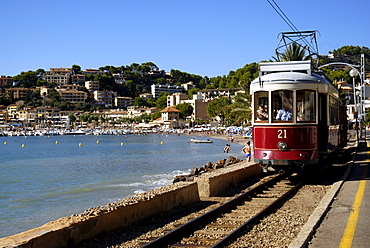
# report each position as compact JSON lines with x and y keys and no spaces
{"x":170,"y":109}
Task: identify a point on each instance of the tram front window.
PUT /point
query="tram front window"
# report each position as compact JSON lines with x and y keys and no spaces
{"x":261,"y":103}
{"x":306,"y":106}
{"x":282,"y":105}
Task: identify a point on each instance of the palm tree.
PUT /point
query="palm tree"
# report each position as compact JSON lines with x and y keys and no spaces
{"x":294,"y":52}
{"x":240,"y":110}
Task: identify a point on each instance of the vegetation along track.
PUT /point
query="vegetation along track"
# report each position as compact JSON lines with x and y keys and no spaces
{"x":228,"y":221}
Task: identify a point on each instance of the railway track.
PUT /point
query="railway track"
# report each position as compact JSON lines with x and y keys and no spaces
{"x":228,"y":221}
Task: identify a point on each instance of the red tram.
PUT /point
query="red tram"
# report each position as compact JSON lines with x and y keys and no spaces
{"x":297,"y":115}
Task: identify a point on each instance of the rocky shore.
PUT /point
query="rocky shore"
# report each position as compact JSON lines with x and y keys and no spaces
{"x":209,"y":167}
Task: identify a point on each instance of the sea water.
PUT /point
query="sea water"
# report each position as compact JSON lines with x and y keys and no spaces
{"x":46,"y":178}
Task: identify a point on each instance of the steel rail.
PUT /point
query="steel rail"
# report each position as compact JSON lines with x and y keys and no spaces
{"x":236,"y":233}
{"x":192,"y":225}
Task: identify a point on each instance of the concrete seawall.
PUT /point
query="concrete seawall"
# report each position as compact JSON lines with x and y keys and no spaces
{"x":68,"y":231}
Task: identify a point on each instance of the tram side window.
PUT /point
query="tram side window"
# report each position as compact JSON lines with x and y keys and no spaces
{"x":261,"y":103}
{"x":282,"y":105}
{"x":306,"y":106}
{"x":333,"y":110}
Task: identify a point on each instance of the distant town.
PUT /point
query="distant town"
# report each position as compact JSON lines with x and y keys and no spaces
{"x":108,"y":109}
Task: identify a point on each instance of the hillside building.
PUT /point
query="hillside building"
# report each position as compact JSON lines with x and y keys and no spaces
{"x":103,"y":98}
{"x":17,"y":93}
{"x":73,"y":96}
{"x":123,"y":102}
{"x":5,"y":81}
{"x":59,"y":76}
{"x":157,"y":89}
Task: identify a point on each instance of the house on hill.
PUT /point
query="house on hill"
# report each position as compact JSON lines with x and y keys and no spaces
{"x":170,"y":113}
{"x":170,"y":118}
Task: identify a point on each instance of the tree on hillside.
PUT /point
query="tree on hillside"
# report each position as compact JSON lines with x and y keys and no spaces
{"x":185,"y":108}
{"x":242,"y":76}
{"x":130,"y":89}
{"x":139,"y":101}
{"x":28,"y":79}
{"x":353,"y":54}
{"x":76,"y":69}
{"x":219,"y":107}
{"x":162,"y":101}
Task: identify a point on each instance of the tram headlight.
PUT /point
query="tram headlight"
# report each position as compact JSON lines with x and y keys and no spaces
{"x":282,"y":146}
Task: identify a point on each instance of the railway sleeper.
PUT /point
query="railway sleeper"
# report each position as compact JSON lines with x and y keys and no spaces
{"x":271,"y":195}
{"x":250,"y":206}
{"x":190,"y":245}
{"x":217,"y":233}
{"x":222,"y":225}
{"x":236,"y":218}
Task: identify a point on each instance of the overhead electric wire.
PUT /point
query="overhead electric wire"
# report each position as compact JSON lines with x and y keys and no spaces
{"x":281,"y":13}
{"x":283,"y":16}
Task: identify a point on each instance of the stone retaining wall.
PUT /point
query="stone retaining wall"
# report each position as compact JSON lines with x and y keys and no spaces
{"x":211,"y":185}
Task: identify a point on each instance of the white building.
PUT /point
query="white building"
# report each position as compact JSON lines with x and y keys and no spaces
{"x":92,"y":85}
{"x":103,"y":98}
{"x":177,"y":98}
{"x":157,"y":89}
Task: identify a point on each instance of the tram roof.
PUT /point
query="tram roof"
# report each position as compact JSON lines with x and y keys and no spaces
{"x":292,"y":75}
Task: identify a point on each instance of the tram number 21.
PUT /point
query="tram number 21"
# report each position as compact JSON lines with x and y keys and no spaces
{"x":282,"y":134}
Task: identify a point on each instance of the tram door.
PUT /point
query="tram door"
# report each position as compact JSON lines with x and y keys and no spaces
{"x":323,"y":130}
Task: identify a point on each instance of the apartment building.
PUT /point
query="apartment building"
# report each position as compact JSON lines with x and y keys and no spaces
{"x":199,"y":107}
{"x":157,"y":89}
{"x":103,"y":98}
{"x":123,"y":102}
{"x":27,"y":115}
{"x":47,"y":115}
{"x":115,"y":115}
{"x":5,"y":81}
{"x":17,"y":93}
{"x":3,"y":114}
{"x":73,"y":96}
{"x":187,"y":86}
{"x":69,"y":87}
{"x":177,"y":98}
{"x":92,"y":86}
{"x":134,"y":111}
{"x":146,"y":95}
{"x":212,"y":94}
{"x":59,"y":76}
{"x":78,"y":79}
{"x":93,"y":72}
{"x":12,"y":113}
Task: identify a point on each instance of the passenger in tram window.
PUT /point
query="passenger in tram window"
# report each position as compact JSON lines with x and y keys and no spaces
{"x":300,"y":115}
{"x":262,"y":113}
{"x":284,"y":114}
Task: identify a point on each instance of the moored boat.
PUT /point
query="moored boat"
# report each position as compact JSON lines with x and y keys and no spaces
{"x":201,"y":141}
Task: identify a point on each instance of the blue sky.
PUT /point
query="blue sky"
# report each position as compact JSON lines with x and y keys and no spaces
{"x":203,"y":37}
